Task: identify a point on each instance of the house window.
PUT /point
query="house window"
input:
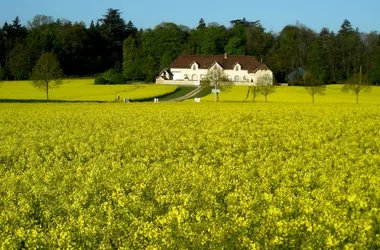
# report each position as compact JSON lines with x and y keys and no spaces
{"x":237,"y":68}
{"x":194,"y":78}
{"x":244,"y":78}
{"x":186,"y":77}
{"x":194,"y":67}
{"x":237,"y":78}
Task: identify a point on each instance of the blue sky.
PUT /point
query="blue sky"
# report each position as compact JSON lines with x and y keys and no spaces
{"x":274,"y":14}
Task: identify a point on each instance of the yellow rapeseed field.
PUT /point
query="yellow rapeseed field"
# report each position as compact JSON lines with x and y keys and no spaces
{"x":189,"y":176}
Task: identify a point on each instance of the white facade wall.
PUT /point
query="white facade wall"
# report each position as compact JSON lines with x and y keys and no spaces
{"x":243,"y":77}
{"x":189,"y":73}
{"x":261,"y":73}
{"x":193,"y":75}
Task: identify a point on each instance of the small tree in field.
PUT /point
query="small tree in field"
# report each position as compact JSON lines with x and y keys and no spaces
{"x":265,"y":86}
{"x":47,"y":73}
{"x":356,"y":84}
{"x":217,"y":79}
{"x":313,"y":86}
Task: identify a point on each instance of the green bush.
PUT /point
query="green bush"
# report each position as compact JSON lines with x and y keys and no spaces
{"x":100,"y":80}
{"x":296,"y":82}
{"x":108,"y":74}
{"x":118,"y":79}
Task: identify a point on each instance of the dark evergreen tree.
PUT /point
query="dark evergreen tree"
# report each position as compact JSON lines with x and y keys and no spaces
{"x":347,"y":40}
{"x":201,"y":24}
{"x":113,"y":30}
{"x":131,"y":30}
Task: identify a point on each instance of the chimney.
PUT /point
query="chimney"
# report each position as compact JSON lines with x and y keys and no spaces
{"x":225,"y":55}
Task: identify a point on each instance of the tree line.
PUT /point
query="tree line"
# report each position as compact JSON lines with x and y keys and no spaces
{"x":110,"y":42}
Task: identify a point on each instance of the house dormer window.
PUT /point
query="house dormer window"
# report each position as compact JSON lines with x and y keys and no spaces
{"x":194,"y":65}
{"x":237,"y":68}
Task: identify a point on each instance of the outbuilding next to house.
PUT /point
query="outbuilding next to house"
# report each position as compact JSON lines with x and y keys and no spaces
{"x":190,"y":69}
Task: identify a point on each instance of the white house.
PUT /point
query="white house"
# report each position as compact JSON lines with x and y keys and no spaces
{"x":190,"y":69}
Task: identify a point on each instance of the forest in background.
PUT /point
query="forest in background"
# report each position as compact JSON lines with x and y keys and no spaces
{"x":111,"y":42}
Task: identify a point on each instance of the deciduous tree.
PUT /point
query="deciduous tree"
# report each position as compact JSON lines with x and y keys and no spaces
{"x":235,"y":46}
{"x":258,"y":42}
{"x":283,"y":56}
{"x":19,"y":62}
{"x":211,"y":40}
{"x":356,"y":84}
{"x":131,"y":58}
{"x":374,"y":62}
{"x":313,"y":86}
{"x":218,"y":80}
{"x":265,"y":85}
{"x":47,"y":73}
{"x":39,"y":21}
{"x":163,"y":44}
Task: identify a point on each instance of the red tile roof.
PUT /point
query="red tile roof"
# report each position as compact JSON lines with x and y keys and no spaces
{"x":249,"y":63}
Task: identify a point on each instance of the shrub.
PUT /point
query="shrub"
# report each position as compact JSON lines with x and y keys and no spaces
{"x":108,"y":74}
{"x":118,"y":79}
{"x":295,"y":82}
{"x":100,"y":80}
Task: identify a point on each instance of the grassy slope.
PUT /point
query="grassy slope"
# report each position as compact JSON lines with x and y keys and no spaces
{"x":299,"y":95}
{"x":82,"y":89}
